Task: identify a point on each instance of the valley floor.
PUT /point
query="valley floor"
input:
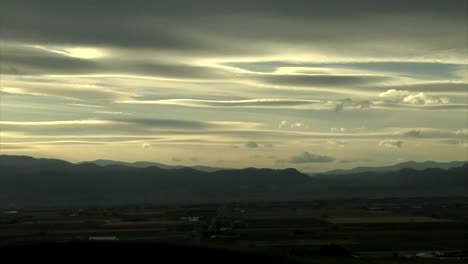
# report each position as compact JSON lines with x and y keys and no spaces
{"x":418,"y":230}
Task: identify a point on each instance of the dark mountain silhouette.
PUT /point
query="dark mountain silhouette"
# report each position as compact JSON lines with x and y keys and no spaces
{"x":404,"y":165}
{"x":145,"y":164}
{"x":30,"y":181}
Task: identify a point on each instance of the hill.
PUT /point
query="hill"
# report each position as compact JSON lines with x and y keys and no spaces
{"x":30,"y":181}
{"x":404,"y":165}
{"x":145,"y":164}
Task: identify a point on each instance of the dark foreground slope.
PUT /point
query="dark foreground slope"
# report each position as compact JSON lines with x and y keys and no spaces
{"x":30,"y":181}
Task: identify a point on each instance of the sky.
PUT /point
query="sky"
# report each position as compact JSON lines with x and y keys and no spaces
{"x":314,"y":85}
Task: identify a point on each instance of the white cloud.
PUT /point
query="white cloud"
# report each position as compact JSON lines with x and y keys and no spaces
{"x":462,"y":132}
{"x":422,"y":99}
{"x":145,"y":146}
{"x":391,"y":143}
{"x":337,"y":129}
{"x":394,"y":94}
{"x":339,"y":143}
{"x":406,"y":97}
{"x":282,"y":124}
{"x":297,"y":125}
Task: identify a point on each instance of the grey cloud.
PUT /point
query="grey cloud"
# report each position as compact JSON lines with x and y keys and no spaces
{"x":23,"y":60}
{"x":175,"y":26}
{"x":413,"y":133}
{"x":307,"y":157}
{"x":317,"y":80}
{"x":452,"y":141}
{"x":408,"y":106}
{"x":355,"y":161}
{"x":446,"y":87}
{"x":28,"y":60}
{"x":168,"y":70}
{"x":363,"y":104}
{"x":76,"y":92}
{"x":14,"y":147}
{"x":127,"y":126}
{"x":280,"y":162}
{"x":340,"y":143}
{"x":251,"y":144}
{"x":167,"y":123}
{"x":338,"y":107}
{"x":459,"y":143}
{"x":286,"y":103}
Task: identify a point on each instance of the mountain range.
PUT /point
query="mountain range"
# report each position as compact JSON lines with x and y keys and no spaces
{"x":145,"y":164}
{"x":404,"y":165}
{"x":29,"y":181}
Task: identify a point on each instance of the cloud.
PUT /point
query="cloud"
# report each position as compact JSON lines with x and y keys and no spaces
{"x":282,"y":124}
{"x":15,"y":147}
{"x":460,"y":143}
{"x":389,"y":105}
{"x":394,"y":94}
{"x":86,"y":105}
{"x":281,"y":162}
{"x":321,"y":80}
{"x":111,"y":113}
{"x":355,"y":161}
{"x":413,"y":133}
{"x":339,"y":143}
{"x":297,"y":125}
{"x":307,"y":157}
{"x":136,"y":127}
{"x":413,"y":99}
{"x":442,"y":86}
{"x":68,"y":91}
{"x":422,"y":99}
{"x":174,"y":159}
{"x":223,"y":73}
{"x":299,"y":104}
{"x":272,"y":103}
{"x":228,"y":103}
{"x":337,"y":129}
{"x":462,"y":132}
{"x":167,"y":123}
{"x":145,"y":146}
{"x":251,"y":144}
{"x":242,"y":29}
{"x":391,"y":143}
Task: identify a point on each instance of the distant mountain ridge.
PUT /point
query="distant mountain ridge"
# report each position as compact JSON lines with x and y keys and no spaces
{"x":145,"y":164}
{"x":30,"y":181}
{"x":404,"y":165}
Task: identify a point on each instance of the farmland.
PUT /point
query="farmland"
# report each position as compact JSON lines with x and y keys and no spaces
{"x":383,"y":229}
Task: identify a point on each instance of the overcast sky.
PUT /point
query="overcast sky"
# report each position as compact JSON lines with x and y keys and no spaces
{"x":315,"y":85}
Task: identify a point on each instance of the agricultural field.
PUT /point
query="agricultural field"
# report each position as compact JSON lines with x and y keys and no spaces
{"x":365,"y":230}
